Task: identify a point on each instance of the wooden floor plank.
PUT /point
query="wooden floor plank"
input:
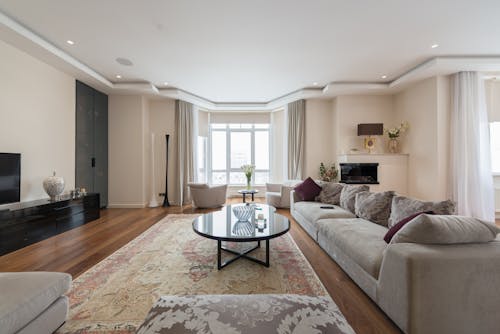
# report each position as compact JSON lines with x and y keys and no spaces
{"x":77,"y":250}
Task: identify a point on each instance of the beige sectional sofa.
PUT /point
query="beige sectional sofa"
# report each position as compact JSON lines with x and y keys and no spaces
{"x":423,"y":288}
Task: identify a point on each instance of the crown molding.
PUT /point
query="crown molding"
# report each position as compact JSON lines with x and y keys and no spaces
{"x":21,"y":37}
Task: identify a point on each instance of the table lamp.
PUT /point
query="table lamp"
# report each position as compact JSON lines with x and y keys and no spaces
{"x":369,"y":130}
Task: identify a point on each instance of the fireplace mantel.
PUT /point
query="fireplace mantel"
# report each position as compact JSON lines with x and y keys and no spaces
{"x":392,"y":169}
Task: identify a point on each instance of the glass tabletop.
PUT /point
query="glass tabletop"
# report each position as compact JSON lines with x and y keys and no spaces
{"x":248,"y":191}
{"x":224,"y":225}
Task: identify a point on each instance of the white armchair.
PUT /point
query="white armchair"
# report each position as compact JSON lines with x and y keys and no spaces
{"x":278,"y":194}
{"x":205,"y":196}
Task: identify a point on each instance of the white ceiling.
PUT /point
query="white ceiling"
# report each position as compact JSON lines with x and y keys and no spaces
{"x":231,"y":51}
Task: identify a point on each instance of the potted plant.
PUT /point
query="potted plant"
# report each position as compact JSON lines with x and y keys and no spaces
{"x":328,"y":173}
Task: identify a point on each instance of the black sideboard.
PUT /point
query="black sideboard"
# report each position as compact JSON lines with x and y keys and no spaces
{"x":38,"y":220}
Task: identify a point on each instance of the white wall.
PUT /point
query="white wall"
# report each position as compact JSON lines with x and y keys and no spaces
{"x":37,"y":119}
{"x":353,"y":110}
{"x":319,"y":137}
{"x":425,"y":105}
{"x":162,"y":122}
{"x":127,"y":135}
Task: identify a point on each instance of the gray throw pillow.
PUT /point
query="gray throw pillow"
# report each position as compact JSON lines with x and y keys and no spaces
{"x":375,"y":207}
{"x":403,"y":207}
{"x":348,"y":196}
{"x":445,"y":229}
{"x":330,"y":193}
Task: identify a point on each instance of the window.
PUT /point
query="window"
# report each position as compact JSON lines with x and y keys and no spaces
{"x":234,"y":145}
{"x":495,"y":146}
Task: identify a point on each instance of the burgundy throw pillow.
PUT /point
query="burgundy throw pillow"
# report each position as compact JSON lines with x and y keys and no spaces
{"x":393,"y":230}
{"x":308,"y":190}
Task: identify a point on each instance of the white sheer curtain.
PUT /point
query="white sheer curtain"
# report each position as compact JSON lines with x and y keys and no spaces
{"x":187,"y":131}
{"x":471,"y":178}
{"x":296,"y":114}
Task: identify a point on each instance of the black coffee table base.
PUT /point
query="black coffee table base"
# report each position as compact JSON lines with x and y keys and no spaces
{"x":240,"y":255}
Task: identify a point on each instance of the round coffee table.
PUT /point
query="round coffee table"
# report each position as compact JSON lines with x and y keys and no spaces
{"x":246,"y":192}
{"x":224,"y":226}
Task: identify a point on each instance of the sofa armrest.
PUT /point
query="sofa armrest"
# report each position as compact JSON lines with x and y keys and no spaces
{"x":285,"y":195}
{"x":293,"y":199}
{"x":441,"y":288}
{"x":273,"y":187}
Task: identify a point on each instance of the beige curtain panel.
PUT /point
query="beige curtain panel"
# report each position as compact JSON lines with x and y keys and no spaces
{"x":296,"y":112}
{"x":186,"y":149}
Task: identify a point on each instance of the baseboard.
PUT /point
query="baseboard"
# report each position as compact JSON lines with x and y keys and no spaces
{"x":127,"y":206}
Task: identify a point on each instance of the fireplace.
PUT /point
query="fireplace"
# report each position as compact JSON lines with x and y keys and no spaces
{"x":359,"y":173}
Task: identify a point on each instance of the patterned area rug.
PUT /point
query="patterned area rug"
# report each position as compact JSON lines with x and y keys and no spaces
{"x":115,"y":295}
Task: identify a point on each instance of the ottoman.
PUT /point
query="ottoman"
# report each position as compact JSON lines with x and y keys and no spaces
{"x":33,"y":302}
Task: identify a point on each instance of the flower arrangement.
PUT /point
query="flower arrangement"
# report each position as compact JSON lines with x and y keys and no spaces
{"x":395,"y":132}
{"x":328,"y":173}
{"x":248,"y":171}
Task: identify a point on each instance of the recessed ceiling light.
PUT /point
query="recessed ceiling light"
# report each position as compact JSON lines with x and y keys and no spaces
{"x":433,"y":46}
{"x":315,"y":83}
{"x":384,"y":76}
{"x":70,"y":42}
{"x":165,"y":83}
{"x":118,"y":76}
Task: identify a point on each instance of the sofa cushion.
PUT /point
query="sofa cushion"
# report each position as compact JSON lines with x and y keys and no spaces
{"x":360,"y":239}
{"x":308,"y":190}
{"x":330,"y":193}
{"x":348,"y":196}
{"x":375,"y":207}
{"x":446,"y":229}
{"x":393,"y":230}
{"x":403,"y":207}
{"x":27,"y":294}
{"x":313,"y":211}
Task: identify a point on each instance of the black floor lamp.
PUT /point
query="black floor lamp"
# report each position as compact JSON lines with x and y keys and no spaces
{"x":165,"y":199}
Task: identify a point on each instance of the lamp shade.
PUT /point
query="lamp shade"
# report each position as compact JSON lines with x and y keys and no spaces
{"x":370,"y":129}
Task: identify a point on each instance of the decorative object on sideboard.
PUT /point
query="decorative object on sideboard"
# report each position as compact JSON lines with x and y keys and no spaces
{"x":369,"y":130}
{"x":394,"y":134}
{"x":53,"y":186}
{"x":248,"y":170}
{"x":328,"y":173}
{"x":165,"y":194}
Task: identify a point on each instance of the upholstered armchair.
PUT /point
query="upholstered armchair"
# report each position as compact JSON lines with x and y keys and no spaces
{"x":278,"y":194}
{"x":205,"y":196}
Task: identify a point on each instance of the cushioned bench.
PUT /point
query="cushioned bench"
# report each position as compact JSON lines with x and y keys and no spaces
{"x":33,"y":302}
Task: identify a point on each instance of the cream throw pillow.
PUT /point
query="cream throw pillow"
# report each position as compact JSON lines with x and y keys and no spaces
{"x":445,"y":229}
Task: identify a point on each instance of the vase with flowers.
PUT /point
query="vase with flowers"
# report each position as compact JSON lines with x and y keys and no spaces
{"x":248,"y":171}
{"x":394,"y":134}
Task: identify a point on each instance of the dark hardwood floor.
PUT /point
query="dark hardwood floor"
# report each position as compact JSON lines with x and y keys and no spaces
{"x":77,"y":250}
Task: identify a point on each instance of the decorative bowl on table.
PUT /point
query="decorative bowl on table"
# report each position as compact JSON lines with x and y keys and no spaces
{"x":243,"y":212}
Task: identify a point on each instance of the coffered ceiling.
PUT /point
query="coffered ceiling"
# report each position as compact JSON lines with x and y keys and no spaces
{"x":225,"y":53}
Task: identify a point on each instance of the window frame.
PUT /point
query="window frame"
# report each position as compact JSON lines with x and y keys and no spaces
{"x":227,"y":129}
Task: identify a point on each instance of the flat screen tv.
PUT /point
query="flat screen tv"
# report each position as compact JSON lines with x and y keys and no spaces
{"x":10,"y":177}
